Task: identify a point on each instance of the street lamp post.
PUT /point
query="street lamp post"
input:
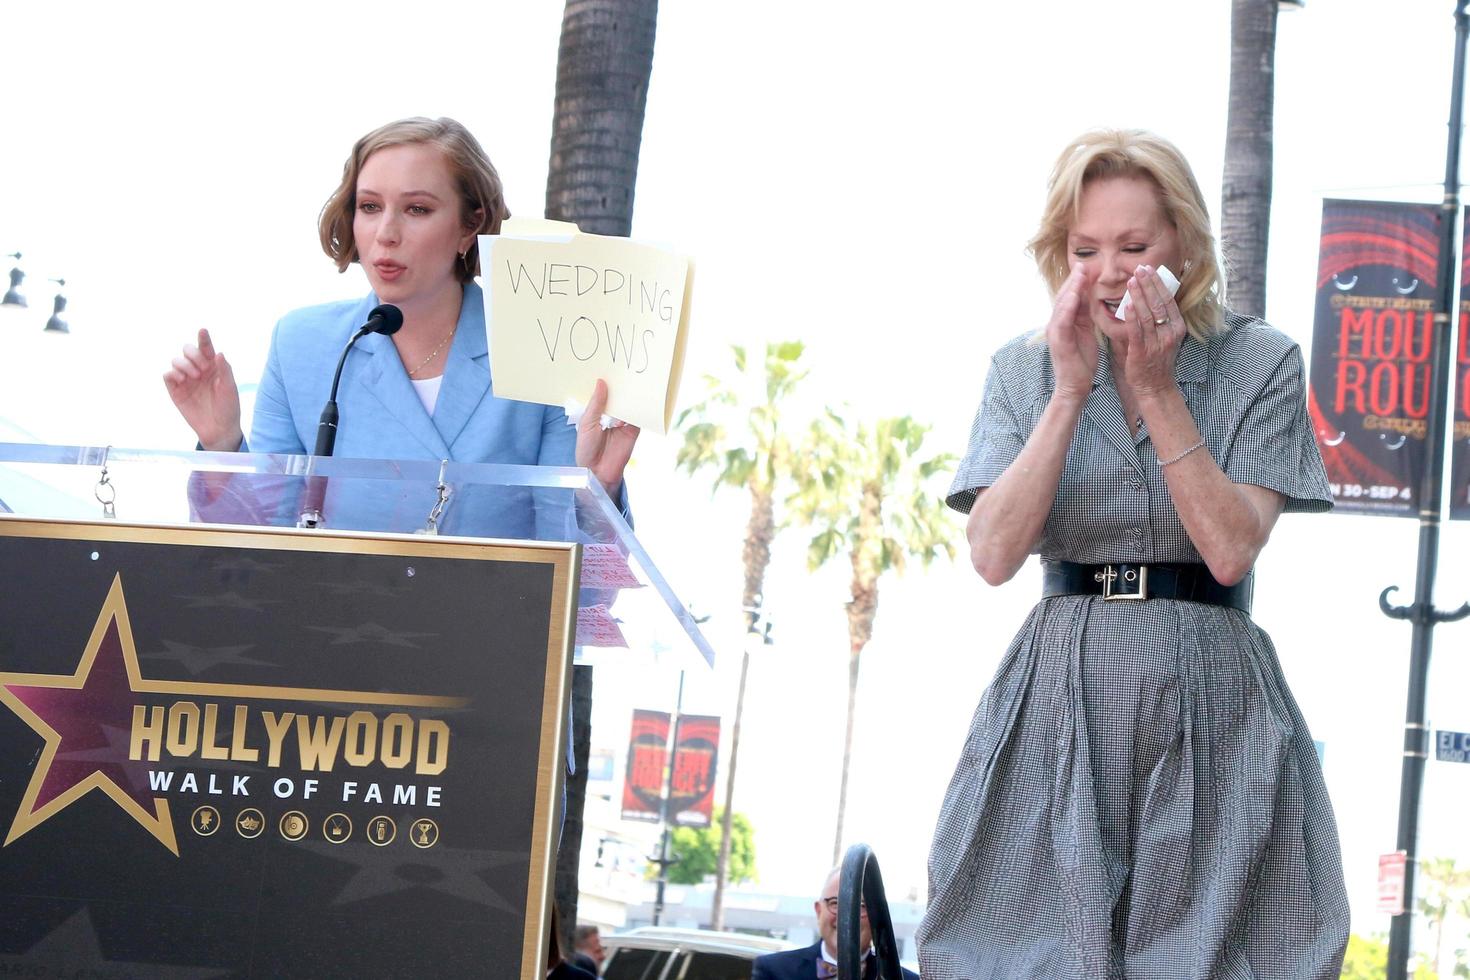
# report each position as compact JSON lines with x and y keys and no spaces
{"x":664,"y":860}
{"x":1422,"y":612}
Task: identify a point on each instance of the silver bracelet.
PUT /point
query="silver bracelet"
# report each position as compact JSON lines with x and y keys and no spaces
{"x":1174,"y":459}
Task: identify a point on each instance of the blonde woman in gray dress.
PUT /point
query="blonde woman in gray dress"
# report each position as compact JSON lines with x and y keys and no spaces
{"x":1138,"y":795}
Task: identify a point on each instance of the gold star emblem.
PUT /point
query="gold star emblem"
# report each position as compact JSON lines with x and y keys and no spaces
{"x":74,"y":715}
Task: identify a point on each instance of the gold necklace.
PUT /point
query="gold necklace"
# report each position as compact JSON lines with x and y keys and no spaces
{"x":435,"y":352}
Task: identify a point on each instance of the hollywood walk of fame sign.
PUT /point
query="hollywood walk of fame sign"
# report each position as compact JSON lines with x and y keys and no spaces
{"x":212,"y":765}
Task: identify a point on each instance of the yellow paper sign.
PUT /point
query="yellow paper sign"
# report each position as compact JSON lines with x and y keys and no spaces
{"x":564,"y":309}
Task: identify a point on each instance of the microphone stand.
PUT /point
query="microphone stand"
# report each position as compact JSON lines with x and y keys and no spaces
{"x":326,"y":441}
{"x":316,"y":494}
{"x":384,"y":320}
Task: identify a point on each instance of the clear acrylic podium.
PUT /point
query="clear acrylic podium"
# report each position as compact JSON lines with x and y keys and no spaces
{"x":625,"y":602}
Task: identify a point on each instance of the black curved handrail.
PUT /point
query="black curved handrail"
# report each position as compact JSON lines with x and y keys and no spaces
{"x":860,"y":886}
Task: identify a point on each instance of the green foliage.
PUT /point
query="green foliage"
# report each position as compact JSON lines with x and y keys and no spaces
{"x":867,"y":493}
{"x":698,"y":850}
{"x":1367,"y":958}
{"x":735,"y":428}
{"x":1444,"y":889}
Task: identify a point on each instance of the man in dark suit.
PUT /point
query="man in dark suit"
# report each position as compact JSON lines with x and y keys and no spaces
{"x":587,"y":950}
{"x":820,"y":958}
{"x":566,"y":971}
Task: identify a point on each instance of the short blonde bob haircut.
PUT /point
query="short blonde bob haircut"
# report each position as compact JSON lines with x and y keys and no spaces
{"x":481,"y":198}
{"x":1105,"y":153}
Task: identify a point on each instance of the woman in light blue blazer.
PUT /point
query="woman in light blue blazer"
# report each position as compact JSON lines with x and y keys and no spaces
{"x":414,"y":196}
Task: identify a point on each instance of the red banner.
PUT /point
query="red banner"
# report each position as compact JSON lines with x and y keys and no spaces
{"x":1460,"y":392}
{"x":697,"y":745}
{"x":1371,"y":340}
{"x":648,"y":752}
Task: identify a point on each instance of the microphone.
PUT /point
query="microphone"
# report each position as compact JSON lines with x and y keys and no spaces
{"x":386,"y":320}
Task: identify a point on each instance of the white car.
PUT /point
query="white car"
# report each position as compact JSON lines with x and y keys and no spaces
{"x":653,"y":953}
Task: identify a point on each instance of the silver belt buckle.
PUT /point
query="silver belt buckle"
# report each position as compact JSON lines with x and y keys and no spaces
{"x":1134,"y":577}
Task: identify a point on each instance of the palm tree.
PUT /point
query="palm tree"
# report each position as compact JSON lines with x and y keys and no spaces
{"x":869,"y":496}
{"x":736,"y":431}
{"x":1445,"y":886}
{"x":602,"y":71}
{"x":1245,"y":206}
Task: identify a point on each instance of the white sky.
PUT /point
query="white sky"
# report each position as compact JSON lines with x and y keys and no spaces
{"x":859,"y":176}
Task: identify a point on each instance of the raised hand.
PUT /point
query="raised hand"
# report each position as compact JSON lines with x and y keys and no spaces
{"x":604,"y":451}
{"x":202,"y":386}
{"x":1070,"y":336}
{"x":1153,"y":332}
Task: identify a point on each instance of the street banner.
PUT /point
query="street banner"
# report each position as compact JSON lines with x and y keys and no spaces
{"x":692,"y":793}
{"x":1460,"y":393}
{"x":267,"y":753}
{"x":648,"y":753}
{"x":1371,"y":340}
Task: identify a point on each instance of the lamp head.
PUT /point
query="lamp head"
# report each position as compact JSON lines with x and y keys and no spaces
{"x":13,"y":295}
{"x":56,"y":324}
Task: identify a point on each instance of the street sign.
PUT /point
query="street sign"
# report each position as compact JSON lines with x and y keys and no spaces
{"x":1452,"y":746}
{"x":1391,"y":882}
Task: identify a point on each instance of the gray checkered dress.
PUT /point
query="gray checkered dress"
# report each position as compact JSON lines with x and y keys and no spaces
{"x":1138,"y":795}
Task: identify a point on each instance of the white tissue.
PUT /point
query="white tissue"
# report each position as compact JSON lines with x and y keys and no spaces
{"x":1169,"y":281}
{"x":575,"y":409}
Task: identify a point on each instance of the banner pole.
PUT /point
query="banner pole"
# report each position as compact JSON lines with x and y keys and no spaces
{"x":1422,"y":613}
{"x":664,"y":861}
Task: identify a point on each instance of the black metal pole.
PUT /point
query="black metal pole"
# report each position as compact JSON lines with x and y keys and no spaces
{"x":860,"y":892}
{"x":663,"y":860}
{"x":1431,"y":506}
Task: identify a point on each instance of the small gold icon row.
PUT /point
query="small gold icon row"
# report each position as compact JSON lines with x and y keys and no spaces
{"x":336,"y":829}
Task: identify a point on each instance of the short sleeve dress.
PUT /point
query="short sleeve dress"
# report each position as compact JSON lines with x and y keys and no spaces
{"x":1138,"y":795}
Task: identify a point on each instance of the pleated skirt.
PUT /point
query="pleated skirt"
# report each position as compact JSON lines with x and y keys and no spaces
{"x":1138,"y":796}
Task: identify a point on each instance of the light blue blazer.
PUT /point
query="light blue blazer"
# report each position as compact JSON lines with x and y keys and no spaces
{"x":379,"y":413}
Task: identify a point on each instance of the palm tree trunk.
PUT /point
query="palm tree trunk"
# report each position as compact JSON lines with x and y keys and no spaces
{"x":602,"y":71}
{"x":1245,"y":207}
{"x":853,"y":663}
{"x":1444,"y":909}
{"x":760,"y":531}
{"x":722,"y":865}
{"x":861,"y":611}
{"x":602,"y":74}
{"x":569,"y":850}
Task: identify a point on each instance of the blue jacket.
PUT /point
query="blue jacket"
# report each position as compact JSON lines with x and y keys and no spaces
{"x":381,"y":416}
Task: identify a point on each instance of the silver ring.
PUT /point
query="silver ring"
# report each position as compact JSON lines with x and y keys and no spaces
{"x":1159,"y":321}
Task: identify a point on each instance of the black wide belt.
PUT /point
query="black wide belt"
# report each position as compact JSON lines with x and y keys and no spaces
{"x":1129,"y":580}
